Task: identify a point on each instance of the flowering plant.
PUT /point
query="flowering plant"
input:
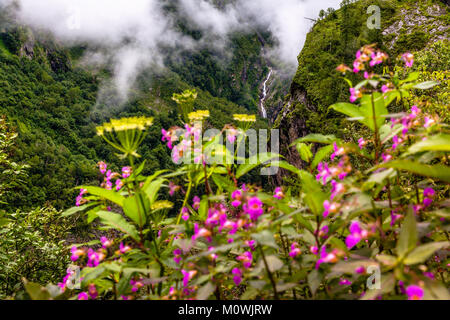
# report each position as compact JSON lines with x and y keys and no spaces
{"x":370,"y":222}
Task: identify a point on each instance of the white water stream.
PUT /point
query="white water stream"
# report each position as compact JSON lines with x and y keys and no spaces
{"x":263,"y":99}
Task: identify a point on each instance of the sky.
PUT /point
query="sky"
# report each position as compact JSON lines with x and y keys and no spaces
{"x":134,"y":31}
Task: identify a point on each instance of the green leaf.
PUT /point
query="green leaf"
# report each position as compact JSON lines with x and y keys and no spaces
{"x":118,"y":222}
{"x":255,"y":161}
{"x":136,"y":207}
{"x":274,"y":263}
{"x":386,"y":286}
{"x":152,"y":189}
{"x":314,"y":196}
{"x":35,"y":291}
{"x":316,"y":138}
{"x":437,"y":171}
{"x":367,"y":110}
{"x":224,"y":183}
{"x":304,"y":151}
{"x":74,"y":210}
{"x":305,"y":223}
{"x":348,"y":109}
{"x":265,"y":238}
{"x":203,"y":209}
{"x":423,"y":252}
{"x":321,"y":154}
{"x":408,"y":235}
{"x":380,"y":177}
{"x":440,"y":142}
{"x":205,"y":291}
{"x":426,"y":85}
{"x":285,"y":165}
{"x":314,"y":280}
{"x":413,"y":76}
{"x":107,"y":194}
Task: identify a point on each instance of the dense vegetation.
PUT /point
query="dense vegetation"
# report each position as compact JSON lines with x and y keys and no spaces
{"x":156,"y":213}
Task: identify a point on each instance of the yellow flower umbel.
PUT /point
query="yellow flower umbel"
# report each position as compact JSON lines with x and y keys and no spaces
{"x":125,"y":134}
{"x":185,"y":102}
{"x":198,"y":115}
{"x":244,"y":120}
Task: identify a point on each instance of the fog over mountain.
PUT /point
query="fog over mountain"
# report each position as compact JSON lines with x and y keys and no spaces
{"x":136,"y":31}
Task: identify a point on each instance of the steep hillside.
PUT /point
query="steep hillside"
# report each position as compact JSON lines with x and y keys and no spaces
{"x":54,"y":104}
{"x":421,"y":27}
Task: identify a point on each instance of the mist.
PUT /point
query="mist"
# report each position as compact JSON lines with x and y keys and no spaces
{"x":134,"y":32}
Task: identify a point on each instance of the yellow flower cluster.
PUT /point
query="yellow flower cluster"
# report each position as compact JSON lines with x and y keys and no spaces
{"x":198,"y":115}
{"x":244,"y":117}
{"x":186,"y":96}
{"x":124,"y":124}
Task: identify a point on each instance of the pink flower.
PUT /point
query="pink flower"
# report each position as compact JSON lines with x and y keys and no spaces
{"x":185,"y":214}
{"x":251,"y":244}
{"x":428,"y":194}
{"x":231,"y":135}
{"x":253,"y":208}
{"x":92,"y":290}
{"x":201,"y":233}
{"x":377,"y":58}
{"x":355,"y":236}
{"x":385,"y":88}
{"x":386,"y":157}
{"x":295,"y":250}
{"x":408,"y":58}
{"x":414,"y":292}
{"x":173,"y":188}
{"x":396,"y":141}
{"x":330,"y":207}
{"x":126,"y":172}
{"x":177,"y":256}
{"x":119,"y":184}
{"x":428,"y":122}
{"x":246,"y":259}
{"x":237,"y":278}
{"x":324,"y":231}
{"x":237,"y":197}
{"x":102,"y":166}
{"x":361,"y":143}
{"x":278,"y":193}
{"x":187,"y":276}
{"x":360,"y":270}
{"x":326,"y":257}
{"x":314,"y":249}
{"x":355,"y":94}
{"x":123,"y":248}
{"x":136,"y":285}
{"x":213,"y":256}
{"x":345,"y":282}
{"x":196,"y":203}
{"x":76,"y":253}
{"x":324,"y":172}
{"x":336,"y":189}
{"x":83,"y":296}
{"x":105,"y":242}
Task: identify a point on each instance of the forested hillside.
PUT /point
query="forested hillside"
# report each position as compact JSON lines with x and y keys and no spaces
{"x":52,"y":100}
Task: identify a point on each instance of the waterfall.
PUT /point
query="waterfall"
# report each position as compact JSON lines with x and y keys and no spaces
{"x":264,"y":94}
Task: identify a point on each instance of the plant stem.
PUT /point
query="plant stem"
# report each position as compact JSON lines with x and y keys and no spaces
{"x":272,"y":281}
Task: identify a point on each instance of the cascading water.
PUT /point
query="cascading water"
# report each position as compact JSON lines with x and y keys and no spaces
{"x":264,"y":94}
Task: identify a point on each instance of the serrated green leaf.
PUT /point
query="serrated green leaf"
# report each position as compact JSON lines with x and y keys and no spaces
{"x":423,"y":252}
{"x":408,"y":235}
{"x":118,"y":222}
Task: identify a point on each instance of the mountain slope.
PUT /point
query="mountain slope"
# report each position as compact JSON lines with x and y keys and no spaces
{"x":334,"y":39}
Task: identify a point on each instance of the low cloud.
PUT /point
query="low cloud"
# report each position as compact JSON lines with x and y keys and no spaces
{"x":133,"y":32}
